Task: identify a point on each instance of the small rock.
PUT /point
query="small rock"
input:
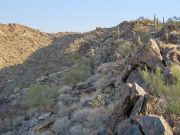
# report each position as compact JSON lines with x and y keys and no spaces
{"x":43,"y":126}
{"x":108,"y":89}
{"x":103,"y":82}
{"x":45,"y":116}
{"x":108,"y":67}
{"x":65,"y":89}
{"x":136,"y":92}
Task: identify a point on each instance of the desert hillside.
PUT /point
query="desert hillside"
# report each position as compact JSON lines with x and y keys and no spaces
{"x":123,"y":80}
{"x":19,"y":42}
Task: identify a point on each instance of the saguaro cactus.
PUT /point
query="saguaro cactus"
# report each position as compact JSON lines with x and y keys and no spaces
{"x":166,"y":35}
{"x":118,"y":33}
{"x":163,"y":25}
{"x":157,"y":23}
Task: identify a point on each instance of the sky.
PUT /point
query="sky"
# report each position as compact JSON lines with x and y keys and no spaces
{"x":82,"y":15}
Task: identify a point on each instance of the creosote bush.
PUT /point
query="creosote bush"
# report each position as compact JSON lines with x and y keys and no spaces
{"x":39,"y":94}
{"x":123,"y":47}
{"x":61,"y":126}
{"x":77,"y":73}
{"x":91,"y":118}
{"x":142,"y":31}
{"x":169,"y":92}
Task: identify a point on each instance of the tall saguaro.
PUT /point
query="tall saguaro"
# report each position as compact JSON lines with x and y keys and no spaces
{"x":163,"y":25}
{"x":155,"y":21}
{"x":118,"y":32}
{"x":157,"y":24}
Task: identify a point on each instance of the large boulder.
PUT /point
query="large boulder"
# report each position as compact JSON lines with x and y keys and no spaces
{"x":155,"y":125}
{"x":148,"y":55}
{"x":144,"y":125}
{"x":136,"y":77}
{"x":127,"y":128}
{"x":111,"y":67}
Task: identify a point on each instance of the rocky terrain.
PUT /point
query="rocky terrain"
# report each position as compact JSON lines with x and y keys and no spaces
{"x":123,"y":80}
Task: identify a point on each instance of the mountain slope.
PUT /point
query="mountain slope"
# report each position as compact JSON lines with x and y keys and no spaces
{"x":134,"y":87}
{"x":18,"y":42}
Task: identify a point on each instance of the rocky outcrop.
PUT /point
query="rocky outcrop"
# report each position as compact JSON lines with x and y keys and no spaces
{"x":135,"y":102}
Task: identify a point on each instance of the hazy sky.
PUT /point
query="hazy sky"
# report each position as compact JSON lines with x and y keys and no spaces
{"x":82,"y":15}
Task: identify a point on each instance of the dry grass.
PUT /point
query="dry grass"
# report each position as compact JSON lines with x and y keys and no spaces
{"x":61,"y":126}
{"x":91,"y":118}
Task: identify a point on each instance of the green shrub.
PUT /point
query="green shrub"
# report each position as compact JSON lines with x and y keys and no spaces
{"x":170,"y":92}
{"x":77,"y":73}
{"x":123,"y":47}
{"x":156,"y":80}
{"x":38,"y":95}
{"x":73,"y":59}
{"x":117,"y":34}
{"x":143,"y":32}
{"x":176,"y":72}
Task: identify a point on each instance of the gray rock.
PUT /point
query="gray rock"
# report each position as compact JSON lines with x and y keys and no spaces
{"x":149,"y":55}
{"x":136,"y":77}
{"x":94,"y":78}
{"x":137,"y":107}
{"x":155,"y":125}
{"x":43,"y":126}
{"x":144,"y":125}
{"x":122,"y":127}
{"x":136,"y":92}
{"x":104,"y":81}
{"x":133,"y":130}
{"x":44,"y":116}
